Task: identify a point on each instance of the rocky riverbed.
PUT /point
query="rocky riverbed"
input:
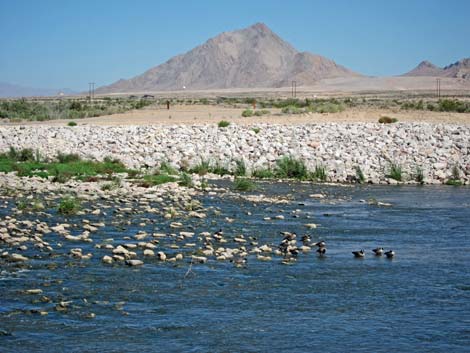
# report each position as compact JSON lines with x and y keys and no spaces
{"x":439,"y":150}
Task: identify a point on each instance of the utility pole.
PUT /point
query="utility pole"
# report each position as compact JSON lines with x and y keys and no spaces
{"x":294,"y":89}
{"x":438,"y":87}
{"x":91,"y":90}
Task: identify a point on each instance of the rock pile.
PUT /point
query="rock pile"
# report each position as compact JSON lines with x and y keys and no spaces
{"x":435,"y":148}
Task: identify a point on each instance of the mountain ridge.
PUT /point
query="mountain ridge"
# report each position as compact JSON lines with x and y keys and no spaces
{"x":247,"y":58}
{"x":459,"y":69}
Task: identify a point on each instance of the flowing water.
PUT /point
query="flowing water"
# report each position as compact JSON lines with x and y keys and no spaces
{"x":419,"y":301}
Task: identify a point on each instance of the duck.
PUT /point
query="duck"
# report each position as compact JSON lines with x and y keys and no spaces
{"x":320,"y":244}
{"x":289,"y":236}
{"x":359,"y":253}
{"x":219,"y":234}
{"x":321,"y":251}
{"x":239,"y":261}
{"x":305,"y":239}
{"x":390,"y":254}
{"x":378,"y":251}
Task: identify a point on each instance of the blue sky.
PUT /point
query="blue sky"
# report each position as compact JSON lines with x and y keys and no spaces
{"x":57,"y":44}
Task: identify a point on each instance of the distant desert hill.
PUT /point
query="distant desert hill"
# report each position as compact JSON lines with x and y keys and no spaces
{"x":247,"y":58}
{"x":459,"y":69}
{"x":8,"y":90}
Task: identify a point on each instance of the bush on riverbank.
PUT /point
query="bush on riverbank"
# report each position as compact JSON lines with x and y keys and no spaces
{"x":241,"y":184}
{"x":69,"y":205}
{"x":395,"y":172}
{"x":66,"y":166}
{"x":290,"y":168}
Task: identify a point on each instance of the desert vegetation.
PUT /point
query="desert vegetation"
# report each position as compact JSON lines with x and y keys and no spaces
{"x":49,"y":109}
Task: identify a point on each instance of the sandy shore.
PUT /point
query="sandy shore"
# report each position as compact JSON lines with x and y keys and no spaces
{"x":209,"y":114}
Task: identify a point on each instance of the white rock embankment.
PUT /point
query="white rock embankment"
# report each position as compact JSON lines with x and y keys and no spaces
{"x":436,"y":148}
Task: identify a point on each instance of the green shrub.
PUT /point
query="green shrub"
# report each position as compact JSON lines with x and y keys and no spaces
{"x":289,"y":167}
{"x":454,"y":182}
{"x":419,"y":175}
{"x":202,"y":168}
{"x":223,"y":123}
{"x":449,"y":105}
{"x":359,"y":174}
{"x":186,"y":180}
{"x":68,"y":157}
{"x":159,"y":179}
{"x":319,"y":173}
{"x":262,"y":112}
{"x":242,"y":184}
{"x":204,"y":184}
{"x":115,"y":184}
{"x":240,"y":169}
{"x":71,"y":123}
{"x":247,"y":113}
{"x":69,"y":205}
{"x":219,"y":169}
{"x":387,"y":120}
{"x":263,"y":173}
{"x":23,"y":155}
{"x":256,"y":130}
{"x":395,"y":172}
{"x":61,"y":176}
{"x":167,"y":168}
{"x":292,"y":109}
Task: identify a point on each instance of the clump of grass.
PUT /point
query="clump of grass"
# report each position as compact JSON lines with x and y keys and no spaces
{"x":202,"y":168}
{"x":455,"y":180}
{"x":223,"y":123}
{"x":159,"y":179}
{"x":262,"y":112}
{"x":387,"y":120}
{"x":68,"y":157}
{"x":61,"y":176}
{"x":242,"y":184}
{"x":256,"y":130}
{"x":292,"y":109}
{"x":219,"y":169}
{"x":289,"y":167}
{"x":167,"y":168}
{"x":204,"y":184}
{"x":186,"y":180}
{"x":71,"y":123}
{"x":69,"y":205}
{"x":359,"y":174}
{"x":419,"y":175}
{"x":113,"y":185}
{"x":33,"y":205}
{"x":266,"y":173}
{"x":319,"y":173}
{"x":247,"y":113}
{"x":240,"y":169}
{"x":23,"y":155}
{"x":395,"y":172}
